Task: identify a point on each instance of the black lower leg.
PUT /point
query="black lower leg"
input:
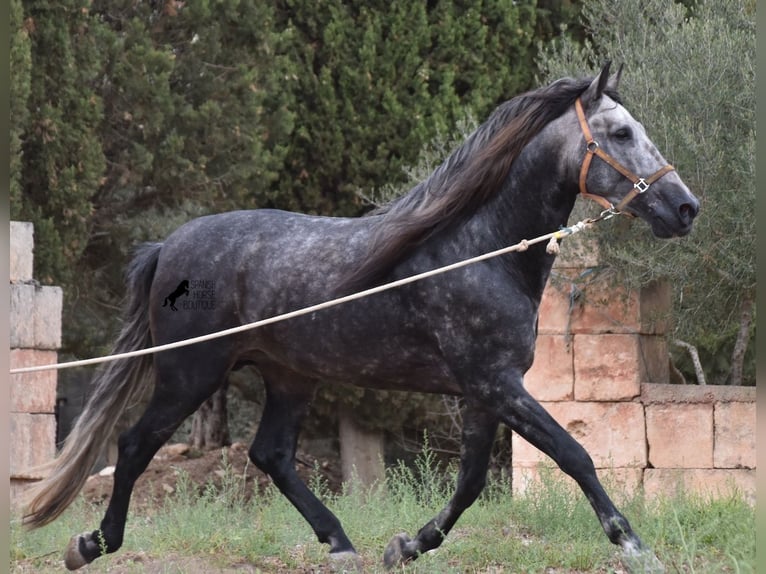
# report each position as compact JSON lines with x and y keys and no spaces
{"x":479,"y":427}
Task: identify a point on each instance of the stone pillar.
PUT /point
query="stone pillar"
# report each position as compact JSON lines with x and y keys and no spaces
{"x":361,"y":452}
{"x":597,"y":344}
{"x":35,"y":336}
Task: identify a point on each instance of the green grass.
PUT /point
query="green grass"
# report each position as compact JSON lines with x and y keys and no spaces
{"x":551,"y":527}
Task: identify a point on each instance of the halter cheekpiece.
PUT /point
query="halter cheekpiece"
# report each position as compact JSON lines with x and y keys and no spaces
{"x":640,"y":184}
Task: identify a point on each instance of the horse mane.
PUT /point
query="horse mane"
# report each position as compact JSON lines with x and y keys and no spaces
{"x":469,"y":177}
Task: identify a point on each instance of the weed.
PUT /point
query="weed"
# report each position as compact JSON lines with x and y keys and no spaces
{"x":550,"y":527}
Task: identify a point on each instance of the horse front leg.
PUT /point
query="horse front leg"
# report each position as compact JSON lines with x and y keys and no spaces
{"x":478,"y":435}
{"x":524,"y":415}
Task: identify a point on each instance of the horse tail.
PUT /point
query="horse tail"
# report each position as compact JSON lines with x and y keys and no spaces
{"x":120,"y":384}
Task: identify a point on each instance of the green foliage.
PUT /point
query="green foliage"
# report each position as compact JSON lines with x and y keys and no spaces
{"x":63,"y":162}
{"x":690,"y":77}
{"x":144,"y":115}
{"x":20,"y":71}
{"x":375,"y":81}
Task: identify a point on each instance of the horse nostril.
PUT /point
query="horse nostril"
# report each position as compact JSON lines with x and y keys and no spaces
{"x":688,"y":211}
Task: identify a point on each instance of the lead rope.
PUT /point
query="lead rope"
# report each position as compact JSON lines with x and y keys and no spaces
{"x":523,"y":245}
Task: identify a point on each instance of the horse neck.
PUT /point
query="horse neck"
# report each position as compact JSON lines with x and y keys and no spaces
{"x":535,"y":199}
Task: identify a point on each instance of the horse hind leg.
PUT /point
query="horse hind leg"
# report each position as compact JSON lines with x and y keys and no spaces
{"x":478,"y":436}
{"x":273,"y":451}
{"x":183,"y":384}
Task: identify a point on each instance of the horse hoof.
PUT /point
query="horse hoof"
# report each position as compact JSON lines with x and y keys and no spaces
{"x":395,"y":553}
{"x":73,"y":558}
{"x":345,"y":562}
{"x":642,"y":561}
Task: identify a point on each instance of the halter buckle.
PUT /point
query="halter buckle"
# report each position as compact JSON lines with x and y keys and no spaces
{"x":641,"y":185}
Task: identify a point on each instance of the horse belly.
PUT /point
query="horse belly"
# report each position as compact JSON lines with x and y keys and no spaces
{"x":373,"y":356}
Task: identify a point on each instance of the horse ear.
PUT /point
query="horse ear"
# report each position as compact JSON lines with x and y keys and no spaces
{"x":597,"y":86}
{"x":614,"y":79}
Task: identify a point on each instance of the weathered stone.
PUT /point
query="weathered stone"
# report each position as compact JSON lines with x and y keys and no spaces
{"x":606,"y":306}
{"x":361,"y":452}
{"x":33,"y":443}
{"x":578,"y":252}
{"x":22,"y":249}
{"x":734,"y":445}
{"x":551,"y":377}
{"x":22,"y":318}
{"x":612,"y":433}
{"x":654,"y":393}
{"x":606,"y":367}
{"x":654,"y":359}
{"x":33,"y":392}
{"x":680,"y":435}
{"x":48,"y":304}
{"x":553,"y":316}
{"x":35,"y":316}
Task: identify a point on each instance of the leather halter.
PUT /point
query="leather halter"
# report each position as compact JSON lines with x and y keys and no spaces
{"x":640,"y":185}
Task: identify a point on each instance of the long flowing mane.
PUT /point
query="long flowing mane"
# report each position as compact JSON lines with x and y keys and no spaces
{"x":470,"y":176}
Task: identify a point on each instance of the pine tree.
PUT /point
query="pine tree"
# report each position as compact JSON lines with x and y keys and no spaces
{"x":20,"y":67}
{"x":377,"y":80}
{"x":63,"y":161}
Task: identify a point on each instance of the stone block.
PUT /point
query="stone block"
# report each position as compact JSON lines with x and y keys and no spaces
{"x":48,"y":304}
{"x":578,"y":252}
{"x":19,"y":488}
{"x":34,"y":443}
{"x":553,"y":315}
{"x":612,"y":433}
{"x":35,"y":316}
{"x":606,"y":306}
{"x":665,"y":393}
{"x":705,"y":482}
{"x":734,"y":445}
{"x":22,"y":322}
{"x":607,"y":367}
{"x":655,"y":359}
{"x":551,"y":377}
{"x":33,"y":392}
{"x":22,"y":248}
{"x":680,"y":435}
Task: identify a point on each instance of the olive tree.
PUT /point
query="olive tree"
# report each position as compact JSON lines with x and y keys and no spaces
{"x":690,"y":77}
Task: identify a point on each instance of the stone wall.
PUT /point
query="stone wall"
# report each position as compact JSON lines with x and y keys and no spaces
{"x":35,"y":336}
{"x":601,"y":369}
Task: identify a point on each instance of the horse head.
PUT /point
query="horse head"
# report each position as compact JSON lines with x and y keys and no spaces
{"x":620,"y":166}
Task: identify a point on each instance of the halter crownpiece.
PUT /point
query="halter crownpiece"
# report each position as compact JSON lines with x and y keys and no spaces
{"x":640,"y":184}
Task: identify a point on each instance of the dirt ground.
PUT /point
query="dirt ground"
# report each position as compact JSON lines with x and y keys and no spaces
{"x":160,"y":480}
{"x":172,"y":461}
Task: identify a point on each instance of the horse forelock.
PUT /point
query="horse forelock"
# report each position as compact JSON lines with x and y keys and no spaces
{"x":468,"y":177}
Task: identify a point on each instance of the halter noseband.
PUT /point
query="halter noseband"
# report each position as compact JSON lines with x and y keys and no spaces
{"x":640,"y":185}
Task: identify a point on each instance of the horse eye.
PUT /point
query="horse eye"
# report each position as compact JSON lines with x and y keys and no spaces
{"x":623,"y":134}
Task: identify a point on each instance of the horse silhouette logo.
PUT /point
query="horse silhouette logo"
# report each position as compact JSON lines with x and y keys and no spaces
{"x":182,"y":289}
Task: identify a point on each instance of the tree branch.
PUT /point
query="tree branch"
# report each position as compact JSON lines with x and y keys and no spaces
{"x":743,"y":338}
{"x":692,"y":350}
